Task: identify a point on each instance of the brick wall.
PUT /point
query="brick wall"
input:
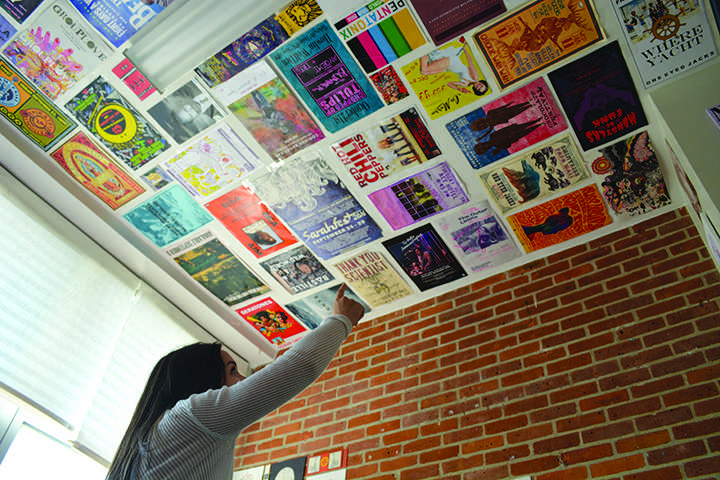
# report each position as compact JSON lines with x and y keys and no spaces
{"x":597,"y":362}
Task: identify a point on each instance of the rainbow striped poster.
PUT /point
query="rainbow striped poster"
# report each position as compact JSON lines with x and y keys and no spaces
{"x":380,"y":32}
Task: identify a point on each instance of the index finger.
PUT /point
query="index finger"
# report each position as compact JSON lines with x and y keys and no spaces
{"x":340,"y":292}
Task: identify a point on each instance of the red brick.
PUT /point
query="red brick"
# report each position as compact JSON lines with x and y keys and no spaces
{"x":506,"y":424}
{"x":605,"y":400}
{"x":642,"y":441}
{"x":530,"y":433}
{"x":608,"y":431}
{"x":534,"y":465}
{"x":676,"y":453}
{"x":576,"y":473}
{"x":557,"y":443}
{"x":581,"y":421}
{"x":587,"y":454}
{"x":704,"y":466}
{"x":553,"y":412}
{"x":630,"y":377}
{"x":691,"y":394}
{"x":666,"y":473}
{"x":486,"y":473}
{"x":482,"y":444}
{"x":697,"y":429}
{"x":634,"y":409}
{"x":679,"y":364}
{"x":574,"y":392}
{"x":570,"y":363}
{"x":507,"y":454}
{"x":657,"y":386}
{"x":664,"y":418}
{"x":617,"y":465}
{"x":525,"y":405}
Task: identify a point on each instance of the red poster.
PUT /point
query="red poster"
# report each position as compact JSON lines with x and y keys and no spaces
{"x":273,"y":322}
{"x":251,"y":222}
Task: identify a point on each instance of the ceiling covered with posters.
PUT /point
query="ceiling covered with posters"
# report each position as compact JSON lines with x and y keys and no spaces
{"x":404,"y":147}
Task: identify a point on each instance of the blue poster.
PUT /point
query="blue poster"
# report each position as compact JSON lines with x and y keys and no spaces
{"x":6,"y":30}
{"x":312,"y":200}
{"x":327,"y":78}
{"x":118,"y":20}
{"x":168,"y":216}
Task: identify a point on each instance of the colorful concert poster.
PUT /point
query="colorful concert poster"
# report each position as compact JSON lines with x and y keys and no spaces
{"x":19,"y":10}
{"x":57,"y":49}
{"x":446,"y":79}
{"x":425,"y":257}
{"x":423,"y":195}
{"x":507,"y":125}
{"x":315,"y":308}
{"x":392,"y":145}
{"x":309,"y":196}
{"x":251,"y":222}
{"x":380,"y":32}
{"x":479,"y":239}
{"x":389,"y":84}
{"x":373,"y":278}
{"x":116,"y":124}
{"x":538,"y":173}
{"x":560,"y":219}
{"x":537,"y":36}
{"x":119,"y":20}
{"x":666,"y":38}
{"x":95,"y":171}
{"x":450,"y":18}
{"x":134,"y":79}
{"x":276,"y":325}
{"x":156,"y":178}
{"x":297,"y":14}
{"x":633,"y":183}
{"x":29,"y":110}
{"x":6,"y":30}
{"x":168,"y":216}
{"x":243,"y":52}
{"x":210,"y":263}
{"x":217,"y":160}
{"x":297,"y":270}
{"x":333,"y":459}
{"x":599,"y":97}
{"x":326,"y":77}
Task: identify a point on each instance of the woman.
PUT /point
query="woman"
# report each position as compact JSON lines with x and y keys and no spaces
{"x":195,"y":403}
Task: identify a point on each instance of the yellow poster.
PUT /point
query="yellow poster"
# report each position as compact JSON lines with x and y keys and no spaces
{"x":297,"y":14}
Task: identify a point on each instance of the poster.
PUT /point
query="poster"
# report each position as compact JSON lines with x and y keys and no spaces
{"x":57,"y":49}
{"x":373,"y":278}
{"x":29,"y":110}
{"x":423,"y":195}
{"x":251,"y":222}
{"x":389,"y":84}
{"x":327,"y":461}
{"x":446,"y":79}
{"x":297,"y":270}
{"x":19,"y":10}
{"x":116,"y":124}
{"x":119,"y":20}
{"x":448,"y":19}
{"x":168,"y":216}
{"x":478,"y":237}
{"x":392,"y":145}
{"x":134,"y":79}
{"x":209,"y":262}
{"x":507,"y":125}
{"x":538,"y":173}
{"x":537,"y":36}
{"x":253,"y":473}
{"x":599,"y":97}
{"x":186,"y":112}
{"x":156,"y":178}
{"x":276,"y":325}
{"x":317,"y":206}
{"x":272,"y":114}
{"x":297,"y":14}
{"x":289,"y":469}
{"x":314,"y":309}
{"x":380,"y":32}
{"x":425,"y":257}
{"x":560,"y":219}
{"x":666,"y":37}
{"x":95,"y":171}
{"x":6,"y":30}
{"x":326,"y":77}
{"x":213,"y":162}
{"x":633,"y":182}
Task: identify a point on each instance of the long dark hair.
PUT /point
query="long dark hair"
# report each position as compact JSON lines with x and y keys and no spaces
{"x":192,"y":369}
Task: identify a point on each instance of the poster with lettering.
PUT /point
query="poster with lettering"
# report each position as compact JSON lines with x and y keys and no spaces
{"x":168,"y":216}
{"x":116,"y":124}
{"x":373,"y":278}
{"x":667,"y":37}
{"x":425,"y":257}
{"x":538,"y":173}
{"x":446,"y":79}
{"x":314,"y":309}
{"x":134,"y":79}
{"x":389,"y":84}
{"x":96,"y":171}
{"x":217,"y":160}
{"x":57,"y":49}
{"x":6,"y":30}
{"x":156,"y":178}
{"x":297,"y":14}
{"x":509,"y":124}
{"x":326,"y":77}
{"x":274,"y":322}
{"x":633,"y":182}
{"x":560,"y":219}
{"x":309,"y":196}
{"x":119,"y":20}
{"x":210,"y":263}
{"x":380,"y":32}
{"x":297,"y":270}
{"x":599,"y":97}
{"x":22,"y":103}
{"x":478,"y":237}
{"x":19,"y":10}
{"x":448,"y":19}
{"x":423,"y":195}
{"x":537,"y":36}
{"x":392,"y":145}
{"x":251,"y":222}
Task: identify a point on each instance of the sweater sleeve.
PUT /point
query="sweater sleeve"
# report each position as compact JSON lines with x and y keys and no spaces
{"x":229,"y":410}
